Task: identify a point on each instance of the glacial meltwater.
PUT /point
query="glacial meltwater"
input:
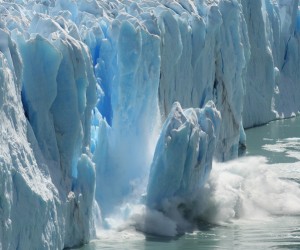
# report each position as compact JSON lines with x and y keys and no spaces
{"x":250,"y":203}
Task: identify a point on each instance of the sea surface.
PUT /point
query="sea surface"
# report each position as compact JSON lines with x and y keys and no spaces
{"x":267,"y":179}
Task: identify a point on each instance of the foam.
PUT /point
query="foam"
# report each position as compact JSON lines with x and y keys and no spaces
{"x":289,"y":146}
{"x":239,"y":190}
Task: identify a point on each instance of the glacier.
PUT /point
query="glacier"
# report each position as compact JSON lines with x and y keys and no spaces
{"x":102,"y":98}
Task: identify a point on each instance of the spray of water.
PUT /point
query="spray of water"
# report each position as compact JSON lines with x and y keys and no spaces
{"x":243,"y":189}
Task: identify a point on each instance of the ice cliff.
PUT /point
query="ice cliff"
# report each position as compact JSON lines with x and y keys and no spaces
{"x":47,"y":95}
{"x":87,"y":102}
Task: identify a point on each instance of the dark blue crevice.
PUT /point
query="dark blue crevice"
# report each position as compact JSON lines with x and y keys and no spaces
{"x":286,"y":53}
{"x":24,"y":103}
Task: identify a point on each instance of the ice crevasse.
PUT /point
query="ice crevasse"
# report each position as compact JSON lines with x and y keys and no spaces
{"x":99,"y":95}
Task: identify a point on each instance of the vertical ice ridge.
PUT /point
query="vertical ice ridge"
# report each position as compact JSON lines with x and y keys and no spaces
{"x":260,"y":77}
{"x":193,"y":133}
{"x":25,"y":179}
{"x":134,"y":104}
{"x":58,"y":93}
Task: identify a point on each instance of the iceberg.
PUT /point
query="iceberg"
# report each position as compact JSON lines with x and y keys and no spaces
{"x":102,"y":98}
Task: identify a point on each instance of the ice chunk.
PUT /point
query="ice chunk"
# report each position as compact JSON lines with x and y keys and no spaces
{"x":184,"y":152}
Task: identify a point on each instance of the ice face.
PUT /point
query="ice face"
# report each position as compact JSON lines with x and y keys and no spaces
{"x":166,"y":49}
{"x":260,"y":77}
{"x":29,"y":200}
{"x":133,"y":112}
{"x":287,"y":79}
{"x":53,"y":74}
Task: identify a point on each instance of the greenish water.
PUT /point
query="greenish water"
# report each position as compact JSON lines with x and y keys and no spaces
{"x":278,"y":141}
{"x":265,"y":187}
{"x":279,"y":233}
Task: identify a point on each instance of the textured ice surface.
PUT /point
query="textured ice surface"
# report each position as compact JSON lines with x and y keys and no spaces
{"x":51,"y":198}
{"x":29,"y":201}
{"x":131,"y":60}
{"x":270,"y":85}
{"x":193,"y":133}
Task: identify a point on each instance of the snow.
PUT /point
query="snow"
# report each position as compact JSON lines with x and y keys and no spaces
{"x":87,"y":103}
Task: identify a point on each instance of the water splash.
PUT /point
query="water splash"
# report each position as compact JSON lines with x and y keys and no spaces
{"x":245,"y":189}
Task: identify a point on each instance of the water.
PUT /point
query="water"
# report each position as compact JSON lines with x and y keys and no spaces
{"x":255,"y":201}
{"x":279,"y":141}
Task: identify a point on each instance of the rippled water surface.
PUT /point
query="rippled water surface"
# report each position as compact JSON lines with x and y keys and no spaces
{"x":271,"y":221}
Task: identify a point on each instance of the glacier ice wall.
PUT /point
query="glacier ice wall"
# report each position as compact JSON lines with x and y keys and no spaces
{"x":54,"y":81}
{"x":260,"y":77}
{"x":26,"y":190}
{"x":271,"y":85}
{"x":131,"y":60}
{"x":183,"y":40}
{"x":287,"y":81}
{"x":133,"y":110}
{"x":205,"y":51}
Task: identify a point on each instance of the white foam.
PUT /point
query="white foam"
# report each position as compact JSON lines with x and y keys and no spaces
{"x":253,"y":189}
{"x":243,"y":189}
{"x":289,"y":146}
